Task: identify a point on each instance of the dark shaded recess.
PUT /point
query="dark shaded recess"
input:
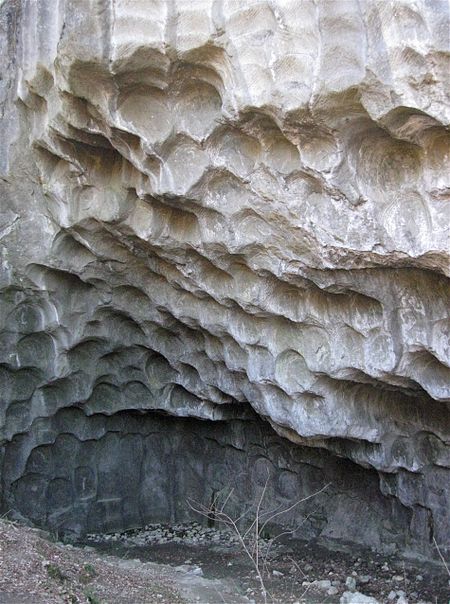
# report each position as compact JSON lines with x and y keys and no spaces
{"x":75,"y":474}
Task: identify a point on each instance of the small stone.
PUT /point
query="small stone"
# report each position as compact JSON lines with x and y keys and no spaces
{"x":322,"y":584}
{"x":392,"y":595}
{"x":364,"y":578}
{"x":350,"y":582}
{"x":332,"y":591}
{"x":402,"y":600}
{"x":419,"y":577}
{"x":349,"y":597}
{"x":397,"y":578}
{"x":277,"y":573}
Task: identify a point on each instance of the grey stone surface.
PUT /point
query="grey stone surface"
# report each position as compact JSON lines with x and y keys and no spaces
{"x":218,"y":208}
{"x":350,"y":597}
{"x":129,"y":470}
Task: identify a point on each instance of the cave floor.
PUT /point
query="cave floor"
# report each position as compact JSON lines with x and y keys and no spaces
{"x":293,"y":570}
{"x":120,"y":569}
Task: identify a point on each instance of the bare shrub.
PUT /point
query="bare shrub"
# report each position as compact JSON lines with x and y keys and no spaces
{"x":251,"y":538}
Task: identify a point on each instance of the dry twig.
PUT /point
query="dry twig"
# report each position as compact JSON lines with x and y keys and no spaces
{"x":250,"y":538}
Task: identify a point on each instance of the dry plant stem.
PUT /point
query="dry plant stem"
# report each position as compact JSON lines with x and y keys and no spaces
{"x":255,"y":530}
{"x":289,"y":532}
{"x":441,"y":556}
{"x":228,"y":521}
{"x":285,"y":511}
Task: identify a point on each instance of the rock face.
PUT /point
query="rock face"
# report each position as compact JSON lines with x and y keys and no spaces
{"x":236,"y":212}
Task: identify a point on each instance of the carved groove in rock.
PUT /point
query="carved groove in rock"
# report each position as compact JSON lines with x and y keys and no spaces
{"x":216,"y":209}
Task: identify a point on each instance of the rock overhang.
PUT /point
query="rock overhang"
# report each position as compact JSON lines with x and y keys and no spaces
{"x":246,"y":215}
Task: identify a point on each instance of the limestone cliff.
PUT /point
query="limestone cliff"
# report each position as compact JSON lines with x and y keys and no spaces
{"x":226,"y":210}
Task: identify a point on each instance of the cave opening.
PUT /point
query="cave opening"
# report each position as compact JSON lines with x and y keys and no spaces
{"x":76,"y":474}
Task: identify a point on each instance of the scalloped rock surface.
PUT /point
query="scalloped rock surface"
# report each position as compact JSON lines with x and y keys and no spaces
{"x":229,"y":211}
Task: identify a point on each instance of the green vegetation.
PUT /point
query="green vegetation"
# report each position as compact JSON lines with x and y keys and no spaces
{"x":88,"y":573}
{"x":55,"y":573}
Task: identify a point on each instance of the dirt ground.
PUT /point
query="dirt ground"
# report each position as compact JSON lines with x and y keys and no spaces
{"x":34,"y":570}
{"x":294,"y":568}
